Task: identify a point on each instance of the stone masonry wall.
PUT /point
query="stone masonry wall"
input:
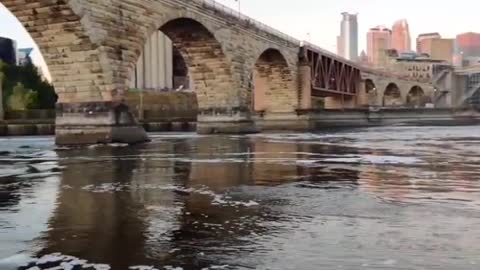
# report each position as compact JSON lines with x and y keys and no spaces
{"x":72,"y":58}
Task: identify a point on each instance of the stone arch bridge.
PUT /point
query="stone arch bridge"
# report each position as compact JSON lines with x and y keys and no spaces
{"x":91,"y":47}
{"x":239,"y":66}
{"x":387,"y":90}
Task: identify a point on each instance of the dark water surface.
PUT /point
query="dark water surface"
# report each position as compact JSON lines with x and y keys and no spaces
{"x":379,"y":198}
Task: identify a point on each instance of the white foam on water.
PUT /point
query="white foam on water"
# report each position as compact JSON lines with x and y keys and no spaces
{"x":65,"y":262}
{"x":217,"y":199}
{"x":113,"y":145}
{"x":15,"y":261}
{"x":372,"y":159}
{"x":169,"y":267}
{"x":142,"y":267}
{"x":217,"y":267}
{"x":105,"y":188}
{"x":101,"y":267}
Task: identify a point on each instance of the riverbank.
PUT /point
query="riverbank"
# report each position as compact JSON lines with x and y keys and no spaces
{"x":303,"y":121}
{"x":393,"y":116}
{"x":34,"y":128}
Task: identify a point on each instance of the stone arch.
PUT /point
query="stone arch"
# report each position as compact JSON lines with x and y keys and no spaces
{"x":273,"y":89}
{"x":73,"y":60}
{"x":88,"y":64}
{"x":392,"y":96}
{"x":416,"y":97}
{"x":207,"y":64}
{"x":370,"y":86}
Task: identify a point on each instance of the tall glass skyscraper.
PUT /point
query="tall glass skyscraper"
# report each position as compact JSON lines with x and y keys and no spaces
{"x":347,"y":42}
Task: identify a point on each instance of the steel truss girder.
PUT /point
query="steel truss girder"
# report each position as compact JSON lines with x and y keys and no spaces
{"x":331,"y":76}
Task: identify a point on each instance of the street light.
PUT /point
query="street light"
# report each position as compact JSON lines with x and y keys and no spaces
{"x":239,"y":5}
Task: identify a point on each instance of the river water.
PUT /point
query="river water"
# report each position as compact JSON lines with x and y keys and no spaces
{"x":377,"y":198}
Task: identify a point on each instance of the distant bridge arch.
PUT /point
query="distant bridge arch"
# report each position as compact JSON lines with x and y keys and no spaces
{"x":390,"y":90}
{"x":416,"y":97}
{"x":370,"y":86}
{"x":392,"y":96}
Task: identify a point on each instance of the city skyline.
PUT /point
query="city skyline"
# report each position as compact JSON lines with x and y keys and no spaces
{"x":306,"y":19}
{"x":291,"y":18}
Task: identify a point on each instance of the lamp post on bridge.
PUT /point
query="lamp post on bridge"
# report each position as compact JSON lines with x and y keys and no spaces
{"x":239,"y":6}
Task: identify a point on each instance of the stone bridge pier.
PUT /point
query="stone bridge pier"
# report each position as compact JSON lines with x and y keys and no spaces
{"x":91,"y":48}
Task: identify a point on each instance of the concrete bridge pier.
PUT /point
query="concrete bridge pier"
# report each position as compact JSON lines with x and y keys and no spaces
{"x":293,"y":118}
{"x":281,"y":92}
{"x":96,"y":122}
{"x":89,"y":61}
{"x":2,"y":112}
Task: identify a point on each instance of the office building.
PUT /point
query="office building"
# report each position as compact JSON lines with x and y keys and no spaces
{"x":467,"y":49}
{"x":378,"y":43}
{"x":436,"y":47}
{"x":347,"y":42}
{"x":401,"y":40}
{"x":8,"y":51}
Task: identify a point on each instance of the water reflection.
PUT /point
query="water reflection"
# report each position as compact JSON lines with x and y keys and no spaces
{"x":267,"y":201}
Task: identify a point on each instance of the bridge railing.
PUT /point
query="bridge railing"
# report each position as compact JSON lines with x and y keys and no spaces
{"x":212,"y":4}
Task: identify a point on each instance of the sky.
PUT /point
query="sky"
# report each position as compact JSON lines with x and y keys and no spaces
{"x":321,"y":18}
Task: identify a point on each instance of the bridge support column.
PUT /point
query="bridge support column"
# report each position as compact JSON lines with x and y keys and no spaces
{"x":305,"y":81}
{"x":287,"y":121}
{"x":295,"y":120}
{"x":340,"y":102}
{"x":96,"y":122}
{"x":2,"y":112}
{"x":362,"y":95}
{"x":235,"y":120}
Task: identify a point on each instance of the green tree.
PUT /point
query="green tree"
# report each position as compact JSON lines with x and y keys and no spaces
{"x":22,"y":98}
{"x":29,"y":76}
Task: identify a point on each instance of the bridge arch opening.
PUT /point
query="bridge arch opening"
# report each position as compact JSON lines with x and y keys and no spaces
{"x":22,"y":63}
{"x":72,"y":60}
{"x":198,"y":63}
{"x":416,"y":97}
{"x":370,"y":86}
{"x":392,"y":96}
{"x":89,"y":75}
{"x":160,"y":67}
{"x":272,"y":83}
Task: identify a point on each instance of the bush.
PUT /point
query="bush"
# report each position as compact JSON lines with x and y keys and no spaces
{"x":42,"y":94}
{"x":22,"y":98}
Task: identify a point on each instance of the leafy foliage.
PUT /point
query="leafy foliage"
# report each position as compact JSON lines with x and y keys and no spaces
{"x":28,"y":78}
{"x":22,"y":98}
